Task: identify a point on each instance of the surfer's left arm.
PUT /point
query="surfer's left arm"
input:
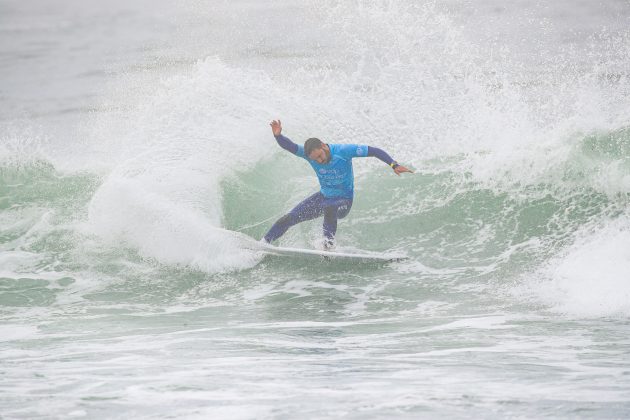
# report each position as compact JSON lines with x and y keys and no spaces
{"x":383,"y":156}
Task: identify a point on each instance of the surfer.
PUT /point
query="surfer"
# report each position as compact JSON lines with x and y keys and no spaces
{"x":333,"y":165}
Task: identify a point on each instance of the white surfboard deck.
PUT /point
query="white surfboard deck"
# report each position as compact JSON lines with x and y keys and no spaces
{"x":339,"y":255}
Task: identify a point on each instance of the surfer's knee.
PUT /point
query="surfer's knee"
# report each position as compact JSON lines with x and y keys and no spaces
{"x":343,"y":210}
{"x":338,"y":211}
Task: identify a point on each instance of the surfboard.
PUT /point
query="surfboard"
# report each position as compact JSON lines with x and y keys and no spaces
{"x":339,"y":255}
{"x":346,"y":255}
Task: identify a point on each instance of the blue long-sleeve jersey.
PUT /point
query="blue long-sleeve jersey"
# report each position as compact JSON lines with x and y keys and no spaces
{"x":336,"y":178}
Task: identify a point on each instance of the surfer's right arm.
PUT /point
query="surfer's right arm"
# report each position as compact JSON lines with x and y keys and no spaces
{"x":284,"y":142}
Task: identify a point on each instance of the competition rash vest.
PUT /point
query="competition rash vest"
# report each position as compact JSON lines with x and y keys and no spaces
{"x":336,"y":178}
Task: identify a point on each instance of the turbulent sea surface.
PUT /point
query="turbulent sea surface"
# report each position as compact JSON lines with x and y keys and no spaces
{"x":134,"y":141}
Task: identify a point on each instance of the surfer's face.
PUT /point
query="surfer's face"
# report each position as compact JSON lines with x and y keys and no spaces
{"x":321,"y":155}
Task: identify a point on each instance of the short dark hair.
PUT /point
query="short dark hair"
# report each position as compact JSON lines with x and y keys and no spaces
{"x":312,"y":144}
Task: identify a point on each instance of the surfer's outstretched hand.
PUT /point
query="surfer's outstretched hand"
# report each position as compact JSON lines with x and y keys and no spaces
{"x":400,"y":169}
{"x":276,"y":127}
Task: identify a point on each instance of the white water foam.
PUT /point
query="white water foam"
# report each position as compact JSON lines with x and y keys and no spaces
{"x":21,"y":144}
{"x":591,"y":278}
{"x":163,"y":194}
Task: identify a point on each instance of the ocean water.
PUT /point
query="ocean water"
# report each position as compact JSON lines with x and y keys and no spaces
{"x":134,"y":143}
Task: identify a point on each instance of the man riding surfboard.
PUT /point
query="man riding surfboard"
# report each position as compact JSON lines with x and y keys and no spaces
{"x":333,"y":165}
